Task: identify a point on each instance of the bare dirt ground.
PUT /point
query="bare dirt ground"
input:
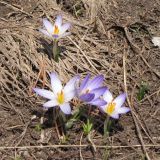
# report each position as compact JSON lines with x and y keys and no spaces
{"x":111,"y":37}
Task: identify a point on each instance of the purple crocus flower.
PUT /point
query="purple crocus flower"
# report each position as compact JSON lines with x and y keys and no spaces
{"x":115,"y":106}
{"x":57,"y":30}
{"x":59,"y":96}
{"x":90,"y":90}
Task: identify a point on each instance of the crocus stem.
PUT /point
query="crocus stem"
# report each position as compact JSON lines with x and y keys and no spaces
{"x":107,"y":126}
{"x":55,"y":50}
{"x":62,"y":120}
{"x":55,"y":116}
{"x":89,"y":111}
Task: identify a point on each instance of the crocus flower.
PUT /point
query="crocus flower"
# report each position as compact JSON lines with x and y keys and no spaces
{"x":115,"y":106}
{"x":90,"y":90}
{"x":57,"y":30}
{"x":59,"y":96}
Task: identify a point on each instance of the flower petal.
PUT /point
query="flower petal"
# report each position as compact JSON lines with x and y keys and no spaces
{"x":95,"y":82}
{"x":63,"y":35}
{"x":58,"y":21}
{"x":48,"y":25}
{"x":102,"y":108}
{"x":120,"y":100}
{"x":123,"y":110}
{"x":70,"y":95}
{"x":66,"y":109}
{"x":70,"y":89}
{"x":44,"y":93}
{"x":115,"y":116}
{"x":107,"y":96}
{"x":84,"y":82}
{"x":55,"y":36}
{"x":70,"y":86}
{"x":64,"y":28}
{"x":99,"y":91}
{"x":55,"y":83}
{"x":87,"y":97}
{"x":45,"y":32}
{"x":98,"y":102}
{"x":51,"y":103}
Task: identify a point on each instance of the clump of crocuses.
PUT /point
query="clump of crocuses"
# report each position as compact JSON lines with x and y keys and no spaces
{"x":87,"y":90}
{"x":55,"y":32}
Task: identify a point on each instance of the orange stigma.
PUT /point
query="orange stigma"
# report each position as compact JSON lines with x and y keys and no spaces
{"x":56,"y":30}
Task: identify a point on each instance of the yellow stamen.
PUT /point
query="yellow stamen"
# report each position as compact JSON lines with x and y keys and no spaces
{"x":110,"y":108}
{"x":56,"y":30}
{"x":60,"y":97}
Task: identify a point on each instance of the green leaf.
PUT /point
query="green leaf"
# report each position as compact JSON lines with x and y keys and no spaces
{"x":75,"y":117}
{"x":87,"y":127}
{"x":38,"y":127}
{"x":142,"y":91}
{"x":107,"y":126}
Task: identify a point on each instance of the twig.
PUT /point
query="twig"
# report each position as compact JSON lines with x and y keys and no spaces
{"x":132,"y":112}
{"x":42,"y":130}
{"x":16,"y":8}
{"x":137,"y":50}
{"x":76,"y":146}
{"x":156,"y":92}
{"x":90,"y":140}
{"x":23,"y":133}
{"x":83,"y":54}
{"x":80,"y":149}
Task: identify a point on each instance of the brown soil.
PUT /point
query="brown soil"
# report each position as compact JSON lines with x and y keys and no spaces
{"x":111,"y":37}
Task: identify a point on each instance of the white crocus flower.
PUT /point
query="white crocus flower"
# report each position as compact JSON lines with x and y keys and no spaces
{"x":59,"y":96}
{"x":114,"y":107}
{"x":56,"y":31}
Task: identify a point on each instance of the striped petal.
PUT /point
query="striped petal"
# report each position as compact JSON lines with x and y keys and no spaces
{"x":64,"y":28}
{"x":98,"y":102}
{"x":70,"y":89}
{"x":58,"y":21}
{"x":99,"y":91}
{"x":48,"y":25}
{"x":66,"y":109}
{"x":44,"y":93}
{"x":45,"y":32}
{"x":70,"y":86}
{"x":70,"y":95}
{"x":84,"y":82}
{"x":95,"y":82}
{"x":64,"y":35}
{"x":107,"y":96}
{"x":51,"y":103}
{"x":55,"y":83}
{"x":87,"y":97}
{"x":102,"y":108}
{"x":115,"y":116}
{"x":120,"y":100}
{"x":123,"y":110}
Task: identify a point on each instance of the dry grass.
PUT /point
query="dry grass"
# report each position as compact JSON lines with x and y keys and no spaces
{"x":112,"y":38}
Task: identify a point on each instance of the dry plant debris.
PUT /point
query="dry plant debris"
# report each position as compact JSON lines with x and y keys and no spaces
{"x":109,"y":37}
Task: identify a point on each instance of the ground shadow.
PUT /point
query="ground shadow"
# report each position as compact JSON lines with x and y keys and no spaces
{"x":48,"y":48}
